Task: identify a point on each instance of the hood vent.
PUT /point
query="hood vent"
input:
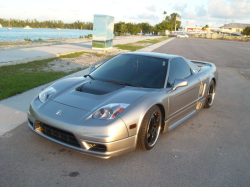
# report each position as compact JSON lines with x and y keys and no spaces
{"x":96,"y":87}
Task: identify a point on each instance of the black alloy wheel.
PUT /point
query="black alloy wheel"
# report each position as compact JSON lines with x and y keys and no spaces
{"x":150,"y":129}
{"x":210,"y":95}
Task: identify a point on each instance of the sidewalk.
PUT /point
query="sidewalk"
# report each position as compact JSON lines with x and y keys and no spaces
{"x":13,"y":110}
{"x":22,"y":55}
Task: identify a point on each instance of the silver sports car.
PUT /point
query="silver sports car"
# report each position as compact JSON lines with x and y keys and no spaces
{"x":123,"y":104}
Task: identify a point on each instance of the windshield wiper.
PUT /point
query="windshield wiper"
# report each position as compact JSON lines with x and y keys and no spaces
{"x":89,"y":76}
{"x":124,"y":83}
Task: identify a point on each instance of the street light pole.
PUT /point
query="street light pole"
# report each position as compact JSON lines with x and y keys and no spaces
{"x":175,"y":24}
{"x":231,"y":27}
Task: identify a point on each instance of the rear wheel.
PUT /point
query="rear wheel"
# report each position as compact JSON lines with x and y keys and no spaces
{"x":150,"y":129}
{"x":210,"y":95}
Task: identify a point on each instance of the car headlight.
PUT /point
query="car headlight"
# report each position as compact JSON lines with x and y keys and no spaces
{"x":110,"y":111}
{"x":46,"y":94}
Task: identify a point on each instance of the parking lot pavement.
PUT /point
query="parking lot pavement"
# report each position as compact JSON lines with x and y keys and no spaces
{"x":209,"y":149}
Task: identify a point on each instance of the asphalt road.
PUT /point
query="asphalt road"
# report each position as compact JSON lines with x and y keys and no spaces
{"x":210,"y":149}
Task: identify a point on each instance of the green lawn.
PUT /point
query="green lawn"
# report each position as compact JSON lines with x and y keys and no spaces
{"x":227,"y":37}
{"x":72,"y":55}
{"x":130,"y":46}
{"x":153,"y":41}
{"x":16,"y":79}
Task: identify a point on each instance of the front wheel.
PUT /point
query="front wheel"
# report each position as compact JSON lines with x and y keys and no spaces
{"x":210,"y":95}
{"x":150,"y":129}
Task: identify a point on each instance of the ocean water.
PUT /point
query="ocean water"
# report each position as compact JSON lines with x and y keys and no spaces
{"x":17,"y":34}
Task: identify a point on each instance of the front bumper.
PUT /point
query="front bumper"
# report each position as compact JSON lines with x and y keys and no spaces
{"x":99,"y":138}
{"x":115,"y":148}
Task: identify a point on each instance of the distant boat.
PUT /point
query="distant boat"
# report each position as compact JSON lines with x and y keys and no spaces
{"x":57,"y":28}
{"x":27,"y":27}
{"x":9,"y":27}
{"x":1,"y":25}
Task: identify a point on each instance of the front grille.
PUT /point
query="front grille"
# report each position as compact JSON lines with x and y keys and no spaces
{"x":57,"y":134}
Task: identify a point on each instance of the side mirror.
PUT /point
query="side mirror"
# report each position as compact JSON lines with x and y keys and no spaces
{"x":179,"y":83}
{"x":91,"y":68}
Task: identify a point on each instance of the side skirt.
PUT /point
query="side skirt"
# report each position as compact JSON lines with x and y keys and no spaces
{"x":169,"y":128}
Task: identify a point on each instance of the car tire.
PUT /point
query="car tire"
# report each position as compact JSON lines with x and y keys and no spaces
{"x":150,"y":129}
{"x":210,"y":95}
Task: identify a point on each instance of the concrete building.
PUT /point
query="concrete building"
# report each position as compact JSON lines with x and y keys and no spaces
{"x":199,"y":29}
{"x":235,"y":27}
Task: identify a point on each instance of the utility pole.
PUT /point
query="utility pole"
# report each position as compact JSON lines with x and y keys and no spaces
{"x":175,"y":24}
{"x":231,"y":27}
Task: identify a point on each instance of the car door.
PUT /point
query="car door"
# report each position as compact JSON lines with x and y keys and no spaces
{"x":183,"y":100}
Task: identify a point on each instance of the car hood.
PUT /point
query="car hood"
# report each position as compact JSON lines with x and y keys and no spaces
{"x":94,"y":94}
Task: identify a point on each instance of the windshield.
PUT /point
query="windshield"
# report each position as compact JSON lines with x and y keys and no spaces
{"x":144,"y":71}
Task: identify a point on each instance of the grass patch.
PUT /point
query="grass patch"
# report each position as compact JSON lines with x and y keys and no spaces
{"x":16,"y":79}
{"x":153,"y":41}
{"x":13,"y":43}
{"x":144,"y":41}
{"x":226,"y":37}
{"x":134,"y":48}
{"x":110,"y":56}
{"x":72,"y":55}
{"x":129,"y":47}
{"x":98,"y":54}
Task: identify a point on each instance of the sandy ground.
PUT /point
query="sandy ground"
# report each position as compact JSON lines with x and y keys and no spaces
{"x":84,"y":61}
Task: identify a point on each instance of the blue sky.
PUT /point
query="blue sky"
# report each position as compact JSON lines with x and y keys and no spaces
{"x":193,"y":12}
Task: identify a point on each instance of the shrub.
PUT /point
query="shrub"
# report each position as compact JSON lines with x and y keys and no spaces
{"x":88,"y":36}
{"x":27,"y":39}
{"x":246,"y":31}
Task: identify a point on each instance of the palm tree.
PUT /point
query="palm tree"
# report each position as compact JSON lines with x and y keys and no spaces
{"x":164,"y":13}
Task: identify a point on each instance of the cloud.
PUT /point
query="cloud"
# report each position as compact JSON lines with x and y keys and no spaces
{"x":180,"y":7}
{"x":238,"y":9}
{"x":130,"y":17}
{"x":144,"y":17}
{"x":200,"y":11}
{"x":147,"y":16}
{"x":189,"y":15}
{"x":151,"y":8}
{"x":115,"y":2}
{"x":54,"y":9}
{"x":75,"y":10}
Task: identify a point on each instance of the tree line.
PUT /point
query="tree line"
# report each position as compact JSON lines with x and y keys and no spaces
{"x":168,"y":23}
{"x":121,"y":28}
{"x":46,"y":24}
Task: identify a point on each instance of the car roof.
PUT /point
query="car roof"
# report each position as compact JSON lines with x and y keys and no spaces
{"x":152,"y":54}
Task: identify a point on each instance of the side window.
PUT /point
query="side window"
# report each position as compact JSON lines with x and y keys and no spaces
{"x":179,"y":69}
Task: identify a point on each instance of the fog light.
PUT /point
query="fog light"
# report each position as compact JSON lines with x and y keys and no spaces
{"x":94,"y":146}
{"x":86,"y":145}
